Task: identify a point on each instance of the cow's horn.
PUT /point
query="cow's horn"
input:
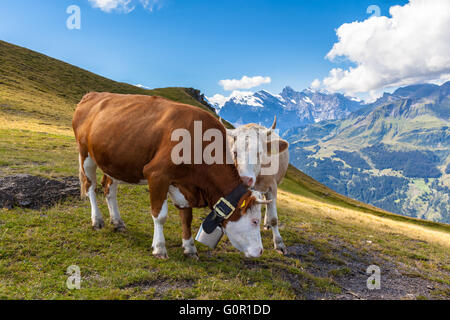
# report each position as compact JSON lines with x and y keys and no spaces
{"x":274,"y":125}
{"x":261,"y":201}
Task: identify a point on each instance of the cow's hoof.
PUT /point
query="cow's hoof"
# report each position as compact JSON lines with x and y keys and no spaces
{"x":98,"y":225}
{"x":119,"y":226}
{"x":190,"y":255}
{"x":162,"y":256}
{"x":160,"y":252}
{"x":281,"y":248}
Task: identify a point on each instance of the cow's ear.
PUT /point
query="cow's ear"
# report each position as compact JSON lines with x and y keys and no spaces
{"x":246,"y":203}
{"x":271,"y":146}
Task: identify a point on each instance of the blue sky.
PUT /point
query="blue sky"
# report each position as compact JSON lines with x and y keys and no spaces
{"x":191,"y":43}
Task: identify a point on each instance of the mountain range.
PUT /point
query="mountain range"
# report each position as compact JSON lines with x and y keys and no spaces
{"x":292,"y":108}
{"x":393,"y":153}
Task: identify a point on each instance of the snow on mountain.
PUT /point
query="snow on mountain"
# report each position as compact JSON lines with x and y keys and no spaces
{"x":292,"y":108}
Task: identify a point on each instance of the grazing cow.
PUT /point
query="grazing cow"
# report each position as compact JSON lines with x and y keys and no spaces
{"x":248,"y":140}
{"x":129,"y":137}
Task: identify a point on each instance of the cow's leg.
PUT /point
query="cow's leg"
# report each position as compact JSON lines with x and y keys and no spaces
{"x":188,"y":242}
{"x":89,"y":168}
{"x":271,"y":220}
{"x":110,"y":187}
{"x":159,"y":189}
{"x":159,"y":242}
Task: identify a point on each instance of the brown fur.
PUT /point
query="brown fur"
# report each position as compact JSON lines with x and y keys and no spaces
{"x":106,"y":183}
{"x":129,"y":138}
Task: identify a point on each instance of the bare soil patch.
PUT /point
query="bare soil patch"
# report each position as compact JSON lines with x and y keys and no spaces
{"x":27,"y":191}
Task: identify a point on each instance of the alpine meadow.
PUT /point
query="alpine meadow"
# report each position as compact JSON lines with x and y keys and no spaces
{"x":332,"y":240}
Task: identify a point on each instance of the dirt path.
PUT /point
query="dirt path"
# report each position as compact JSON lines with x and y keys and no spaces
{"x":348,"y":268}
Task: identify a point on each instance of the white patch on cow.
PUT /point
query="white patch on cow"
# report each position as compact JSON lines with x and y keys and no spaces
{"x":247,"y":149}
{"x":271,"y":219}
{"x":241,"y":150}
{"x":178,"y":198}
{"x":159,"y":242}
{"x":245,"y":233}
{"x":111,"y":200}
{"x":189,"y":246}
{"x":90,"y":168}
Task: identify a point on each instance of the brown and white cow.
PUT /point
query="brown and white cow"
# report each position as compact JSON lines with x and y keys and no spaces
{"x":129,"y":138}
{"x":253,"y":139}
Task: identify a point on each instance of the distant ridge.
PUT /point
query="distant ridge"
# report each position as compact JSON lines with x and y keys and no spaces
{"x":393,"y":153}
{"x":292,"y":108}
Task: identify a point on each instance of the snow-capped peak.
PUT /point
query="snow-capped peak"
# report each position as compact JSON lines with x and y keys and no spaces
{"x":246,"y":98}
{"x":237,"y":97}
{"x":292,"y":108}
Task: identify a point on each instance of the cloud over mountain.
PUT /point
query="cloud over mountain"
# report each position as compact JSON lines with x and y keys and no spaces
{"x":244,"y":83}
{"x":411,"y":46}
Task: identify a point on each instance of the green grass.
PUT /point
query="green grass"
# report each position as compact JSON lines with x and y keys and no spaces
{"x":37,"y":98}
{"x":37,"y":247}
{"x":37,"y":153}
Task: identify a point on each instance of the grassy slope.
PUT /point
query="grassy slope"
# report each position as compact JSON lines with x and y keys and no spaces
{"x":36,"y":86}
{"x":37,"y":98}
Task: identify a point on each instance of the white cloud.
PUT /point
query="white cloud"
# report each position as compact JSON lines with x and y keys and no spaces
{"x":125,"y":6}
{"x":218,"y":100}
{"x":244,"y":83}
{"x":112,"y":5}
{"x":315,"y":84}
{"x":151,"y":4}
{"x":410,"y":47}
{"x":442,"y":79}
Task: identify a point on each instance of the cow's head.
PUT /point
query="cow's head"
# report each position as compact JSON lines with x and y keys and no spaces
{"x":243,"y":227}
{"x":252,"y":146}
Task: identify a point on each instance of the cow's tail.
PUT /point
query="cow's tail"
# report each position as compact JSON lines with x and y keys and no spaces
{"x":82,"y":177}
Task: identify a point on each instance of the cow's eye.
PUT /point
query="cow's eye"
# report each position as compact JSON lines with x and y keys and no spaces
{"x":255,"y":222}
